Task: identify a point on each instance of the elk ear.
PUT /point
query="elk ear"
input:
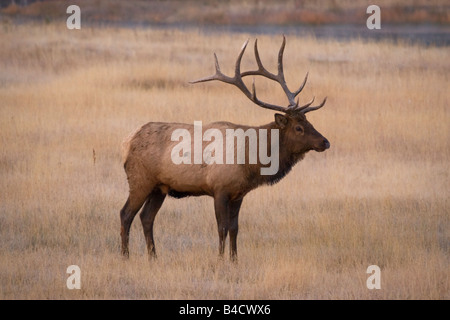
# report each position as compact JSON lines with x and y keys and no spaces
{"x":281,"y":120}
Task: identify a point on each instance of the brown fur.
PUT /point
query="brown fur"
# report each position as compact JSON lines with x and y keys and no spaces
{"x":152,"y":175}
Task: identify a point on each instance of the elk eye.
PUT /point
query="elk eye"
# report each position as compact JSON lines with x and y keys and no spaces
{"x":298,"y":129}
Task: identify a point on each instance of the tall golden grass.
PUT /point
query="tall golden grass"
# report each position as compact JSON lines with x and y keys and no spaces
{"x":379,"y":196}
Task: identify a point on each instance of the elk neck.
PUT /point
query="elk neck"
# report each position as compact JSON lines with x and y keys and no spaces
{"x":287,"y":159}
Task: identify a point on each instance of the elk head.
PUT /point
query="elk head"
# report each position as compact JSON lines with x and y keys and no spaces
{"x":296,"y":132}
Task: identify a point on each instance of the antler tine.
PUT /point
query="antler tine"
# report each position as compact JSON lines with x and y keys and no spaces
{"x":258,"y":61}
{"x":304,"y":106}
{"x":289,"y":94}
{"x":301,"y":86}
{"x":219,"y":75}
{"x":261,"y":70}
{"x":236,"y":80}
{"x":308,"y":109}
{"x":237,"y":68}
{"x":280,"y":60}
{"x":214,"y":76}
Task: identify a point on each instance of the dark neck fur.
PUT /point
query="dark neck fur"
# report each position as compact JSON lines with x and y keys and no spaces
{"x":286,"y":164}
{"x":286,"y":161}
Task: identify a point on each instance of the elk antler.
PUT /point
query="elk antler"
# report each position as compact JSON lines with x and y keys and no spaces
{"x":236,"y":80}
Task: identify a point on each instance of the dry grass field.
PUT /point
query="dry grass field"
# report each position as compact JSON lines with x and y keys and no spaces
{"x":378,"y":196}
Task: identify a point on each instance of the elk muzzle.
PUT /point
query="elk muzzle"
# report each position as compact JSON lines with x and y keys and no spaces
{"x":322,"y":145}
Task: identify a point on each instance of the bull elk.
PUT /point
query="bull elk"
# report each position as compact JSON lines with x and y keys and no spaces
{"x":152,"y":175}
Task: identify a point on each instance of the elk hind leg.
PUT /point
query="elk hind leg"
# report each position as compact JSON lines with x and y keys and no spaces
{"x":127,"y":214}
{"x":148,"y":214}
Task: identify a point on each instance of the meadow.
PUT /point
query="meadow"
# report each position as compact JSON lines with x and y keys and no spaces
{"x":378,"y":196}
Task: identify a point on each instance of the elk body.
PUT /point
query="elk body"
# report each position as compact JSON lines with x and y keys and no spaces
{"x":152,"y":175}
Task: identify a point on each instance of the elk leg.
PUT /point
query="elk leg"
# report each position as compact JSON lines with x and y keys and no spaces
{"x":127,"y":215}
{"x":223,"y":221}
{"x":233,"y":210}
{"x":148,"y":214}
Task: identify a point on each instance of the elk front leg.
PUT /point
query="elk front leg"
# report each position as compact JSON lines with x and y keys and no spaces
{"x":233,"y":208}
{"x":223,"y":220}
